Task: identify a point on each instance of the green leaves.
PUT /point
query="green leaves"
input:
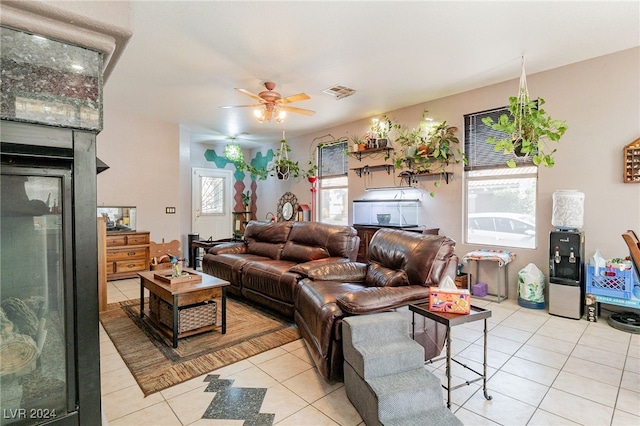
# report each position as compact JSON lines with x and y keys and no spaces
{"x":528,"y":128}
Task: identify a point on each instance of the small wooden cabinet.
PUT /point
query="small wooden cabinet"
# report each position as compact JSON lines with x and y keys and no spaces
{"x":366,"y":232}
{"x":462,"y":281}
{"x":127,"y":254}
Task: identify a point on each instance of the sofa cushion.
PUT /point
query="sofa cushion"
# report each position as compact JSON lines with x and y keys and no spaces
{"x":228,"y":266}
{"x":270,"y":278}
{"x":314,"y":240}
{"x":266,"y":238}
{"x":424,"y":258}
{"x":376,"y":299}
{"x":332,"y":269}
{"x":379,"y":276}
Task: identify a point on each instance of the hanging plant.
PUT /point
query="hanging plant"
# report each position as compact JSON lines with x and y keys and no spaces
{"x":234,"y":153}
{"x":283,"y":168}
{"x":528,"y":129}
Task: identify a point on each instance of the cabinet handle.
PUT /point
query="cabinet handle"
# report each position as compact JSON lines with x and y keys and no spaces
{"x":131,"y":253}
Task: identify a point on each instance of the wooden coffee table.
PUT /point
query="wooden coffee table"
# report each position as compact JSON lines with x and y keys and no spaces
{"x":182,"y":295}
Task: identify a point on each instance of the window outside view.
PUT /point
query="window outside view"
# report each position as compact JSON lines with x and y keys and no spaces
{"x":501,"y":207}
{"x":333,"y":184}
{"x":500,"y":200}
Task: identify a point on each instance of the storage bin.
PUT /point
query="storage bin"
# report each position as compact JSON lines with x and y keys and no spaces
{"x":190,"y":317}
{"x":610,"y":282}
{"x":480,"y":289}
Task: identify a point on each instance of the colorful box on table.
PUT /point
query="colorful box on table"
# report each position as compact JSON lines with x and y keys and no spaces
{"x":449,"y":301}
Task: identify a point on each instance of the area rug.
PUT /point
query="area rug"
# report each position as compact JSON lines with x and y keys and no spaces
{"x":156,"y":365}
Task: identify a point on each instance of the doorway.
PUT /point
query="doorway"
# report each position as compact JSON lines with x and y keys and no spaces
{"x":211,"y":203}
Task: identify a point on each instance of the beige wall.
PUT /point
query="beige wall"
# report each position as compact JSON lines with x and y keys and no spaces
{"x":143,"y":156}
{"x":599,"y":99}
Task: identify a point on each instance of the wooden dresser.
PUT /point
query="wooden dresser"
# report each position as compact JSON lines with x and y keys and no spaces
{"x":127,"y":254}
{"x":365,"y":232}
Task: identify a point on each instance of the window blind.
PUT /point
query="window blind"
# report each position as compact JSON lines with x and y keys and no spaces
{"x":480,"y":155}
{"x":333,"y":160}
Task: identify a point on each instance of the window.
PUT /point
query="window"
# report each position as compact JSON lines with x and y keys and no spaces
{"x":332,"y":183}
{"x":212,"y":195}
{"x":501,"y":201}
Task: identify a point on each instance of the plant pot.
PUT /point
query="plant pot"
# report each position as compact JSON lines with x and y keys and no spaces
{"x":411,"y":151}
{"x":423,"y":150}
{"x":312,"y":179}
{"x":383,"y":142}
{"x":282,"y":172}
{"x":362,"y":147}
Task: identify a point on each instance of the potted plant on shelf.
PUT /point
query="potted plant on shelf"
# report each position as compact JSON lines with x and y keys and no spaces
{"x":428,"y":148}
{"x":380,"y":129}
{"x":358,"y":143}
{"x":442,"y":141}
{"x":528,"y":128}
{"x":246,"y":200}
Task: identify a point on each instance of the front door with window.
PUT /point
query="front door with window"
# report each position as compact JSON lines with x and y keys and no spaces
{"x":211,"y":197}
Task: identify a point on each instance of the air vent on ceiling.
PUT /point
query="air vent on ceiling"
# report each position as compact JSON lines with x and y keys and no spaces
{"x":339,"y":91}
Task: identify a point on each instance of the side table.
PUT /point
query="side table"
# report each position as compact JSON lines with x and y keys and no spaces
{"x":196,"y":245}
{"x":503,"y":258}
{"x":450,"y":320}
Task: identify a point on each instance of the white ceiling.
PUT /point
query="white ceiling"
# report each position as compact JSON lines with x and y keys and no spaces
{"x":186,"y":57}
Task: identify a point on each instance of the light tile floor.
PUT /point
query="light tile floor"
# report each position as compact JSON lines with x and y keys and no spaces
{"x":544,"y":370}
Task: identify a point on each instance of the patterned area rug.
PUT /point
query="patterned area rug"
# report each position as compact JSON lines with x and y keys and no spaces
{"x":157,"y":366}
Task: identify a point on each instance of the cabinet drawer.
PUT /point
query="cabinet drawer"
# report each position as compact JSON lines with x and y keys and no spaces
{"x":133,"y":240}
{"x":131,"y":265}
{"x":124,"y":254}
{"x":118,"y":240}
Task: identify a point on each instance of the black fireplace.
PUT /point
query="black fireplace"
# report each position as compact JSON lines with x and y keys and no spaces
{"x":50,"y":364}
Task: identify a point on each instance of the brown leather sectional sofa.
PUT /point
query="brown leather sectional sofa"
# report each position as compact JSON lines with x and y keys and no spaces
{"x":264,"y":268}
{"x":306,"y":270}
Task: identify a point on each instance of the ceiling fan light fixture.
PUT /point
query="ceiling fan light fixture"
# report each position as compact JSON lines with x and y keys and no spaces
{"x":259,"y":114}
{"x":281,"y":115}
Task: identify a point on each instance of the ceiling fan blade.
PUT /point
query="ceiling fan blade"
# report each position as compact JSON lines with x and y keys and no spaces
{"x":293,"y":98}
{"x":242,"y":106}
{"x":297,"y":110}
{"x":248,"y":93}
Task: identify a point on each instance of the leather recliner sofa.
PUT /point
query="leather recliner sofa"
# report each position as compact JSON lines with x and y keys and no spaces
{"x":401,"y":268}
{"x":266,"y":267}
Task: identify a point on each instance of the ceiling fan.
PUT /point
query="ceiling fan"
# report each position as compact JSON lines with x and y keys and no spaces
{"x":272,"y":104}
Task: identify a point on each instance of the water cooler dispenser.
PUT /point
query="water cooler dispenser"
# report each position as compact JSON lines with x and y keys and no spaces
{"x":566,"y":274}
{"x":566,"y":255}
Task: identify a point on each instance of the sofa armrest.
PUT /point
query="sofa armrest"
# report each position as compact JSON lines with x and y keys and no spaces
{"x":351,"y":272}
{"x":232,"y":248}
{"x":374,"y":299}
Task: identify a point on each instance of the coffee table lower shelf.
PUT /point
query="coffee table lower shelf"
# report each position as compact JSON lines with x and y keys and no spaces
{"x":176,"y":298}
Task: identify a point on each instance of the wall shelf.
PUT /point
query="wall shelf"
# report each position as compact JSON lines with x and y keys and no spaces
{"x":632,"y":162}
{"x":368,"y":169}
{"x":412,"y":177}
{"x":358,"y":154}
